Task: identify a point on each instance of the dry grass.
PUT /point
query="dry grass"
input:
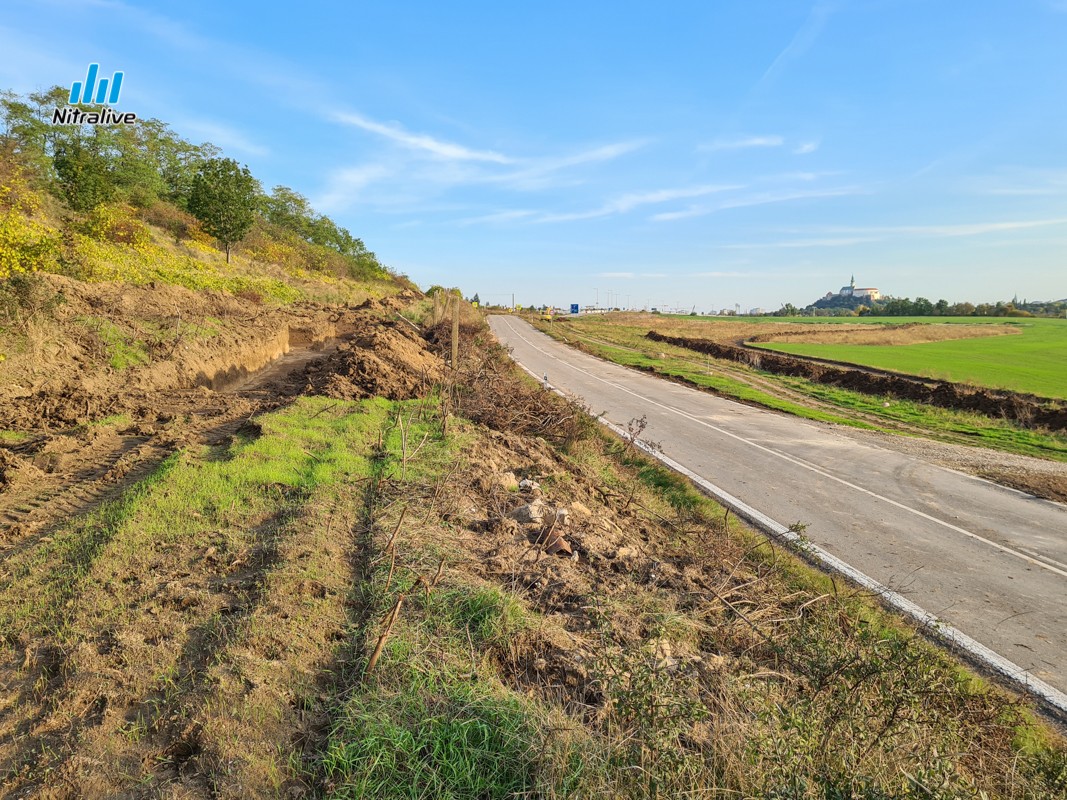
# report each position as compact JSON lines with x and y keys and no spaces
{"x":212,"y":635}
{"x":912,"y":333}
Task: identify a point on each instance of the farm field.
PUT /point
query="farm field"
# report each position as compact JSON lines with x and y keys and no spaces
{"x":1031,"y":360}
{"x":621,"y":337}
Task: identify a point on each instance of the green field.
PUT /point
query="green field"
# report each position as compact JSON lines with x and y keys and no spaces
{"x":1034,"y":361}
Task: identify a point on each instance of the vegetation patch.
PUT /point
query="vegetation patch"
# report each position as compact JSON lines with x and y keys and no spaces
{"x":621,"y":338}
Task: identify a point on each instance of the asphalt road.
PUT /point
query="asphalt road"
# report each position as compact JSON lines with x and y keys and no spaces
{"x":988,"y":560}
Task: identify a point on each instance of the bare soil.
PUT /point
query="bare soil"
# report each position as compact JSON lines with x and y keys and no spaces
{"x":199,"y":668}
{"x":80,"y":432}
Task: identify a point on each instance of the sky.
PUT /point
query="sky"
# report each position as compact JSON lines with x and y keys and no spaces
{"x":705,"y":154}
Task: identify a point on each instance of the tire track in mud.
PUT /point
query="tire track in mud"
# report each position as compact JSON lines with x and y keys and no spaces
{"x":28,"y":513}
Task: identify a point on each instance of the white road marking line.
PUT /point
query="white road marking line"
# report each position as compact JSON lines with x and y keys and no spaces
{"x":803,"y":464}
{"x":951,"y":636}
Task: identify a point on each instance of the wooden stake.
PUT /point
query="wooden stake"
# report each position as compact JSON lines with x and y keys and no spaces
{"x":455,"y":334}
{"x":391,"y":620}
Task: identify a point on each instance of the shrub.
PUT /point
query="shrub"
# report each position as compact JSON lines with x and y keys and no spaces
{"x":181,"y":225}
{"x":115,"y":223}
{"x":25,"y":245}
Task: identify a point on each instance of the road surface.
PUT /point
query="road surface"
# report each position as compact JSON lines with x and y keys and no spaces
{"x":988,"y":560}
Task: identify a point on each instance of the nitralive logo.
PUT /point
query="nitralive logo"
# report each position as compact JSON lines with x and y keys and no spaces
{"x":82,"y":92}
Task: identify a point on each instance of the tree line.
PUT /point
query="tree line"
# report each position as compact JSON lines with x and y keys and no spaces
{"x":170,"y":180}
{"x":838,"y":306}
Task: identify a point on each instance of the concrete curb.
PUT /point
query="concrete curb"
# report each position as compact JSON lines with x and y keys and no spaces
{"x":1049,"y":697}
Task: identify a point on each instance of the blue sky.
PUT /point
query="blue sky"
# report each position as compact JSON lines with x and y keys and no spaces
{"x":670,"y":154}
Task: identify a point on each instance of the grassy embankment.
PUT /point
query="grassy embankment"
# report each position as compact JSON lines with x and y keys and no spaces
{"x":216,"y":630}
{"x":622,"y":340}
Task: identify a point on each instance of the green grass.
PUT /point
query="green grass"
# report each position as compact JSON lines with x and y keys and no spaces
{"x":122,"y":351}
{"x":218,"y":500}
{"x":1031,"y":361}
{"x":719,"y":383}
{"x":14,"y":437}
{"x":433,"y":733}
{"x":954,"y":426}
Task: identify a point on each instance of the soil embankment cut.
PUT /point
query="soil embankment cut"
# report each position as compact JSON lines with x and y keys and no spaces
{"x":79,"y":437}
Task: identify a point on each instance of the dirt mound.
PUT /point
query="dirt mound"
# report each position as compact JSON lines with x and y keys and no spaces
{"x":1024,"y":409}
{"x":392,"y":303}
{"x":388,"y":359}
{"x":14,"y":469}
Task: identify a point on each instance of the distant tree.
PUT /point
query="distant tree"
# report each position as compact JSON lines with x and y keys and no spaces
{"x":476,"y":299}
{"x":223,"y":198}
{"x":941,"y":306}
{"x":289,"y":209}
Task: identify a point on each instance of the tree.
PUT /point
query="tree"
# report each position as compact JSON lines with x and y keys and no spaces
{"x":84,"y":174}
{"x":289,"y":209}
{"x":223,"y":198}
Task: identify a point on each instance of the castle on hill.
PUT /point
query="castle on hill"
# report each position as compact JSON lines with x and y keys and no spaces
{"x":856,"y":293}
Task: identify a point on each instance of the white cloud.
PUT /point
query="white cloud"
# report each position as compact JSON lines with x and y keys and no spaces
{"x":499,"y":216}
{"x":541,"y":173}
{"x":804,"y":148}
{"x":826,"y":242}
{"x":721,"y":274}
{"x":740,"y":144}
{"x":420,"y":141}
{"x":948,"y":231}
{"x":976,"y":229}
{"x":630,"y":201}
{"x":801,"y":42}
{"x":614,"y":275}
{"x":222,"y":135}
{"x":755,"y":200}
{"x":345,"y":185}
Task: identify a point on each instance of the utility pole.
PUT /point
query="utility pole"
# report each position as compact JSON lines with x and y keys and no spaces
{"x":595,"y":289}
{"x":513,"y":301}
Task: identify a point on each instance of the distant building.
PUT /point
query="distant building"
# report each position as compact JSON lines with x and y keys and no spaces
{"x":756,"y":312}
{"x":867,"y":293}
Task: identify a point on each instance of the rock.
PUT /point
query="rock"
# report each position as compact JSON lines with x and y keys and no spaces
{"x":528,"y":485}
{"x":560,"y":515}
{"x":532,"y":512}
{"x":557,"y":546}
{"x":580,"y":510}
{"x":509,"y":481}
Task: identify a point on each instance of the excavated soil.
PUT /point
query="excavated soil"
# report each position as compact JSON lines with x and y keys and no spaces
{"x":81,"y":432}
{"x":1026,"y":409}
